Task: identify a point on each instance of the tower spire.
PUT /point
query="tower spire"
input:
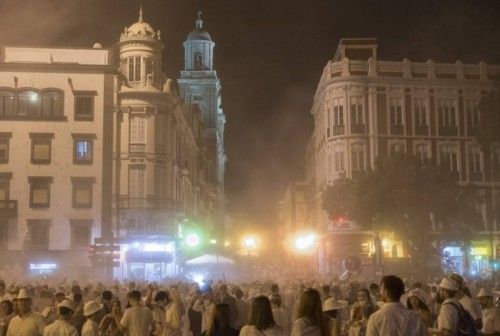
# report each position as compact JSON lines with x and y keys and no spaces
{"x":199,"y":21}
{"x":140,"y":15}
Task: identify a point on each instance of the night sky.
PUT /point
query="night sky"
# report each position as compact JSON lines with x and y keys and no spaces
{"x":269,"y":55}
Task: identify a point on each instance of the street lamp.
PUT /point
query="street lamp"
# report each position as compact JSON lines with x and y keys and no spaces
{"x":304,"y":243}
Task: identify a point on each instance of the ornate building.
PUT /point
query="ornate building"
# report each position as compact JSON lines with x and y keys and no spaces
{"x":105,"y":130}
{"x":199,"y":86}
{"x":366,"y":108}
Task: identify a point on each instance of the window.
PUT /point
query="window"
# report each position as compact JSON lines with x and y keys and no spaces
{"x":138,"y":130}
{"x":421,"y":117}
{"x":82,"y":192}
{"x":83,"y":145}
{"x":338,"y":115}
{"x":447,"y":113}
{"x":134,"y":69}
{"x":41,"y":144}
{"x":80,"y":233}
{"x":422,"y":151}
{"x":329,"y":122}
{"x":52,"y":103}
{"x":28,"y":103}
{"x":38,"y":234}
{"x":39,"y":191}
{"x":198,"y":61}
{"x":137,"y":187}
{"x":358,"y":158}
{"x":475,"y":162}
{"x":4,"y":187}
{"x":4,"y":147}
{"x":357,"y":110}
{"x":338,"y":158}
{"x":396,"y":111}
{"x":84,"y":107}
{"x":472,"y":113}
{"x":449,"y":157}
{"x":160,"y":182}
{"x":6,"y":102}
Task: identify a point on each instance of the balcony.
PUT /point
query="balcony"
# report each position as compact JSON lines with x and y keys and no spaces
{"x":338,"y":130}
{"x":358,"y":129}
{"x":397,"y":129}
{"x":8,"y":209}
{"x":421,"y":130}
{"x":448,"y":130}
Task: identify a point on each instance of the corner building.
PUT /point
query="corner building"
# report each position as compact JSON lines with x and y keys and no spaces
{"x":366,"y":108}
{"x":96,"y":144}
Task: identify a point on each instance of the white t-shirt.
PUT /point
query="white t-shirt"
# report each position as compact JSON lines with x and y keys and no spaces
{"x":138,"y":321}
{"x":60,"y":328}
{"x":30,"y":325}
{"x":448,"y":316}
{"x":90,"y":328}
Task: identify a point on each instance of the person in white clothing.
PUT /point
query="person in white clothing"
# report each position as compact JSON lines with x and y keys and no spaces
{"x":464,"y":297}
{"x":137,"y":320}
{"x":261,"y":321}
{"x":448,"y":318}
{"x":93,"y":311}
{"x":172,"y":325}
{"x":310,"y":318}
{"x":491,"y":313}
{"x":62,"y":326}
{"x":393,"y":319}
{"x":281,"y":314}
{"x":27,"y":323}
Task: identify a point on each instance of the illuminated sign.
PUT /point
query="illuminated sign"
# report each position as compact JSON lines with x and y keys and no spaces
{"x":479,"y":251}
{"x":43,"y":266}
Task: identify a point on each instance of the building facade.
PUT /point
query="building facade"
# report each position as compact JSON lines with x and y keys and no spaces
{"x":365,"y":108}
{"x":55,"y":170}
{"x":95,"y":143}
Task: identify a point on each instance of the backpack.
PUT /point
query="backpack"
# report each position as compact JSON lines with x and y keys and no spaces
{"x":466,"y":326}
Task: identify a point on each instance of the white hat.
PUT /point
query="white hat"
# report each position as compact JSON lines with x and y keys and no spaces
{"x":418,"y":293}
{"x":333,"y":304}
{"x":485,"y":292}
{"x":66,"y":304}
{"x":23,"y":294}
{"x":449,"y":284}
{"x":91,"y":308}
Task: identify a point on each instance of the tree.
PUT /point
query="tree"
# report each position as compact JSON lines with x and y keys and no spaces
{"x":408,"y":197}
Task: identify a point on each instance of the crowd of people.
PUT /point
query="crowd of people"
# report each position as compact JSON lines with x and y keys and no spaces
{"x":450,"y":308}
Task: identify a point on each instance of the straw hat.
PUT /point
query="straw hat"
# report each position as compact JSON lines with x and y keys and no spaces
{"x":333,"y":304}
{"x":23,"y":294}
{"x":91,"y":308}
{"x":449,"y":284}
{"x":484,"y":293}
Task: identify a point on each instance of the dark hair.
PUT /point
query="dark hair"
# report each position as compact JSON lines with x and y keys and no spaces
{"x":367,"y":293}
{"x":310,"y":308}
{"x":368,"y":310}
{"x":65,"y":311}
{"x":450,"y":293}
{"x":394,"y":286}
{"x":162,"y":295}
{"x":237,"y":292}
{"x":261,"y":314}
{"x":10,"y":307}
{"x":221,"y":320}
{"x":77,"y":297}
{"x":374,"y":286}
{"x":107,"y":295}
{"x":135,"y":294}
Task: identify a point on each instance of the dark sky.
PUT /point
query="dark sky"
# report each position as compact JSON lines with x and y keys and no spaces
{"x":269,"y":56}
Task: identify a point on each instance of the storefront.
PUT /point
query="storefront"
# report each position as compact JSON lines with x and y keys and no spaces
{"x":472,"y":261}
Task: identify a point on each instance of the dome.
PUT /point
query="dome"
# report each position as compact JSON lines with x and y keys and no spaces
{"x":140,"y":30}
{"x":198,"y":34}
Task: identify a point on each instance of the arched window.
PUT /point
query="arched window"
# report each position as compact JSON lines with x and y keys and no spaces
{"x":28,"y":103}
{"x":6,"y":102}
{"x":52,"y":103}
{"x":198,"y":61}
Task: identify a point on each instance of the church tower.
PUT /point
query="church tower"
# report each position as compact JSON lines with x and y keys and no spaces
{"x":199,"y":86}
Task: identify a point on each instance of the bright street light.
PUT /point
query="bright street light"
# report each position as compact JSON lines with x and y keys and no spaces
{"x":304,"y":243}
{"x":250,"y":242}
